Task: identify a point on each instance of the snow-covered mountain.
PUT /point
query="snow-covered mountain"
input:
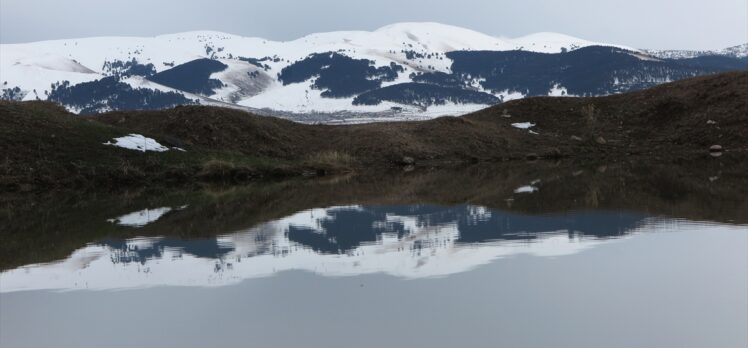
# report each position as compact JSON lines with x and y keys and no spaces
{"x":424,"y":69}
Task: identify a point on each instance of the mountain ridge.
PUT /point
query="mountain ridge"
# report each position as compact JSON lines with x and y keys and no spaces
{"x":421,"y":53}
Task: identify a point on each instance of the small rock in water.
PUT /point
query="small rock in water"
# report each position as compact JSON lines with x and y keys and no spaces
{"x":574,"y":137}
{"x":408,"y":161}
{"x":553,"y":153}
{"x":715,"y":148}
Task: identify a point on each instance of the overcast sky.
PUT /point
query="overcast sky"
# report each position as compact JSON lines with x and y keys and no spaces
{"x":667,"y":24}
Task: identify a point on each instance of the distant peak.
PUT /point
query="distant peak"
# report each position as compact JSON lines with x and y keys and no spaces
{"x":199,"y":33}
{"x":552,"y":42}
{"x":548,"y":35}
{"x":428,"y":28}
{"x":417,"y":26}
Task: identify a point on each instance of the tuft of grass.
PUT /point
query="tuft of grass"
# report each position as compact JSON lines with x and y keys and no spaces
{"x":588,"y":111}
{"x":216,"y":169}
{"x":331,"y":160}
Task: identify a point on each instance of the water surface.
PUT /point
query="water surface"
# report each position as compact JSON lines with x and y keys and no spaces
{"x":573,"y":261}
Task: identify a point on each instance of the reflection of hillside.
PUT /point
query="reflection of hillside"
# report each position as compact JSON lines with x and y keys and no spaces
{"x":51,"y":227}
{"x":407,"y":241}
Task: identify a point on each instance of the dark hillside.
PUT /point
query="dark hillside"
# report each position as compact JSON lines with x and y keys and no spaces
{"x":43,"y":145}
{"x":691,"y":114}
{"x":677,"y":118}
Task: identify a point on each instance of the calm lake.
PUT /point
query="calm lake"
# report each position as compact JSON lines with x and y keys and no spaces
{"x":519,"y":256}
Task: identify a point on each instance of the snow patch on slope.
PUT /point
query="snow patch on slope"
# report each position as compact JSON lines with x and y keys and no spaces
{"x":242,"y":80}
{"x":523,"y":125}
{"x":137,"y":142}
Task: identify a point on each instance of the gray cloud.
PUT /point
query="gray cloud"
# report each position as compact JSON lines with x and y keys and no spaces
{"x":691,"y":24}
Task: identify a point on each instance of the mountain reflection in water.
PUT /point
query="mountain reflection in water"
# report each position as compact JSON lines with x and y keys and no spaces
{"x":409,"y":224}
{"x":409,"y":241}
